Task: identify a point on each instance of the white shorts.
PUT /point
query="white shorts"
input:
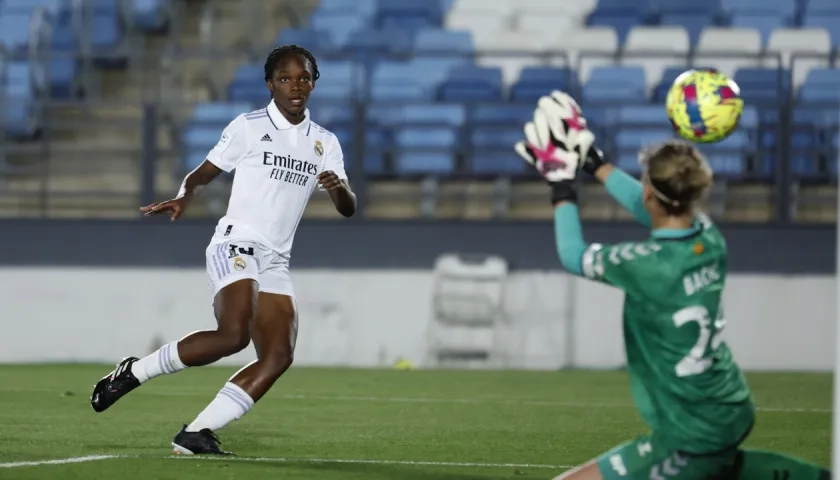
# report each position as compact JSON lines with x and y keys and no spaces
{"x":230,"y":260}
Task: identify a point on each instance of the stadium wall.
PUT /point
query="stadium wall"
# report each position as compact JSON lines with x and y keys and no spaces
{"x":364,"y":244}
{"x":371,"y":318}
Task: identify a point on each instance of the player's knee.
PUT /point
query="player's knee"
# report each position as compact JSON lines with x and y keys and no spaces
{"x":234,"y":338}
{"x":277,"y":362}
{"x":239,"y":341}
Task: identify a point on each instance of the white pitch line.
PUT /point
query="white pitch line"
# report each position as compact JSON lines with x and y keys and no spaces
{"x":59,"y":461}
{"x":468,"y":401}
{"x":415,"y":463}
{"x":373,"y":462}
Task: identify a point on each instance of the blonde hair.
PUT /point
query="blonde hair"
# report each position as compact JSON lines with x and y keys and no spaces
{"x":679,"y":175}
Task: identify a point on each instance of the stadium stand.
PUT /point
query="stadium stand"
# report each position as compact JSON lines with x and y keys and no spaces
{"x":437,"y":90}
{"x":656,"y":41}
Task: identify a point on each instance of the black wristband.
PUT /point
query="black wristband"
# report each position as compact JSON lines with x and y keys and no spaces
{"x":564,"y":190}
{"x":595,"y":158}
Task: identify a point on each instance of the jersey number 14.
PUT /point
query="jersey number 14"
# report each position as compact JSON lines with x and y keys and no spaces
{"x":697,"y":361}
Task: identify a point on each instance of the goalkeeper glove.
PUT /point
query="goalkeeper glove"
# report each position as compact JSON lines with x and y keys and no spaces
{"x":551,"y":144}
{"x":558,"y":106}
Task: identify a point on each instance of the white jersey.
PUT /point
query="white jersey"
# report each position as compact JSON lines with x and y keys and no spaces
{"x":277,"y":165}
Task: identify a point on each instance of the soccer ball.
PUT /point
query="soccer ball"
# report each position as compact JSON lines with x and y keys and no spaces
{"x":704,"y":105}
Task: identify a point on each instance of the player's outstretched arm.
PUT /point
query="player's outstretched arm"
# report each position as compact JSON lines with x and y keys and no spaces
{"x":568,"y":236}
{"x":550,"y":146}
{"x":626,"y":190}
{"x":193,"y":183}
{"x":342,"y":196}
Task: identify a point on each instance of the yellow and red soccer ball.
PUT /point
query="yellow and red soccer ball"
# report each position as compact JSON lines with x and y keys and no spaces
{"x":704,"y":106}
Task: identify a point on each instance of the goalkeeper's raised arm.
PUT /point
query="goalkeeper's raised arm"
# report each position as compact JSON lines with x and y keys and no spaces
{"x":626,"y":190}
{"x":551,"y":146}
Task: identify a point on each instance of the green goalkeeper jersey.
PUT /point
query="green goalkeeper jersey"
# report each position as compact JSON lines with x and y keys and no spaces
{"x":684,"y":380}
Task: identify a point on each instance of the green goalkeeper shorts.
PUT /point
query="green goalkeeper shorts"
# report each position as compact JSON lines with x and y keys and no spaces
{"x":646,"y":459}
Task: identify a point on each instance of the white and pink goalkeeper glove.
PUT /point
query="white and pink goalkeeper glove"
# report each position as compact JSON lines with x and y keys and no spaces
{"x":555,"y":142}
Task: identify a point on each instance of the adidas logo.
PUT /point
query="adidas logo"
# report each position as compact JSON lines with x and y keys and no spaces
{"x":265,"y":138}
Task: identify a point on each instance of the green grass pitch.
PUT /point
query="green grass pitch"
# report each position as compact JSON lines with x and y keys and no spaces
{"x":337,"y":424}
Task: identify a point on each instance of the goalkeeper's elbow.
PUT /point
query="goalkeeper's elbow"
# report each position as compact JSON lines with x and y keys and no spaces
{"x":571,"y":261}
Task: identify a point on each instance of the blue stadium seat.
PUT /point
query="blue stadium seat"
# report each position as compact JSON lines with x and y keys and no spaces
{"x":344,"y":135}
{"x":621,"y":15}
{"x":63,"y":64}
{"x":502,"y":115}
{"x":632,"y":139}
{"x":433,"y":70}
{"x":804,"y":140}
{"x":398,"y":81}
{"x":763,"y":86}
{"x":14,"y":31}
{"x":379,"y":146}
{"x":821,"y":86}
{"x":765,"y":23}
{"x":107,"y":33}
{"x":28,"y":6}
{"x":804,"y":166}
{"x":248,"y":85}
{"x":784,"y":9}
{"x":622,"y":7}
{"x":472,"y":83}
{"x":727,"y":165}
{"x":318,"y":42}
{"x":615,"y":84}
{"x":728,"y":157}
{"x":331,"y":114}
{"x":635,"y":116}
{"x":827,"y":20}
{"x":339,"y":25}
{"x":201,"y":137}
{"x":495,"y":162}
{"x":366,"y":7}
{"x":821,"y":7}
{"x":375,"y":44}
{"x":447,"y":42}
{"x":620,"y":23}
{"x":534,"y":82}
{"x":19,"y":102}
{"x":749,"y":119}
{"x":149,"y":15}
{"x":340,"y":80}
{"x":451,"y":115}
{"x":408,"y":14}
{"x":491,"y":149}
{"x":628,"y":141}
{"x":425,"y":150}
{"x":215,"y":114}
{"x":693,"y":23}
{"x":686,"y":7}
{"x":818,"y":117}
{"x":495,"y":137}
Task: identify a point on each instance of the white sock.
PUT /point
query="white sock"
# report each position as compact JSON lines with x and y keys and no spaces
{"x":230,"y":404}
{"x":163,"y":361}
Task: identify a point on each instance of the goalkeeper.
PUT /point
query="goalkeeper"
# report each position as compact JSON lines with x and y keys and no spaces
{"x":683,"y":378}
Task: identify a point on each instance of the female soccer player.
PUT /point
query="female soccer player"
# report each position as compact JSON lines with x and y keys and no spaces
{"x":279,"y":155}
{"x":684,"y":380}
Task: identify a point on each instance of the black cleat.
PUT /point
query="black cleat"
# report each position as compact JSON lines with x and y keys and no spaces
{"x":203,"y":442}
{"x":113,"y":386}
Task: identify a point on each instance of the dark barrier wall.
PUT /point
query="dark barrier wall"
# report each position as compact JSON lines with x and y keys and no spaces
{"x":372,"y":244}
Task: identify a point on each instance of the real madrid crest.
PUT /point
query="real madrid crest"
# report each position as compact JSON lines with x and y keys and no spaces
{"x":238,"y":263}
{"x":319,"y":149}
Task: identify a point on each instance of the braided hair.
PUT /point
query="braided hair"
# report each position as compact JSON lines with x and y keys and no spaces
{"x":282,"y":51}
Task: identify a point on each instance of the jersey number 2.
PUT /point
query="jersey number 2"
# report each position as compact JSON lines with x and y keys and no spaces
{"x":696,"y":362}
